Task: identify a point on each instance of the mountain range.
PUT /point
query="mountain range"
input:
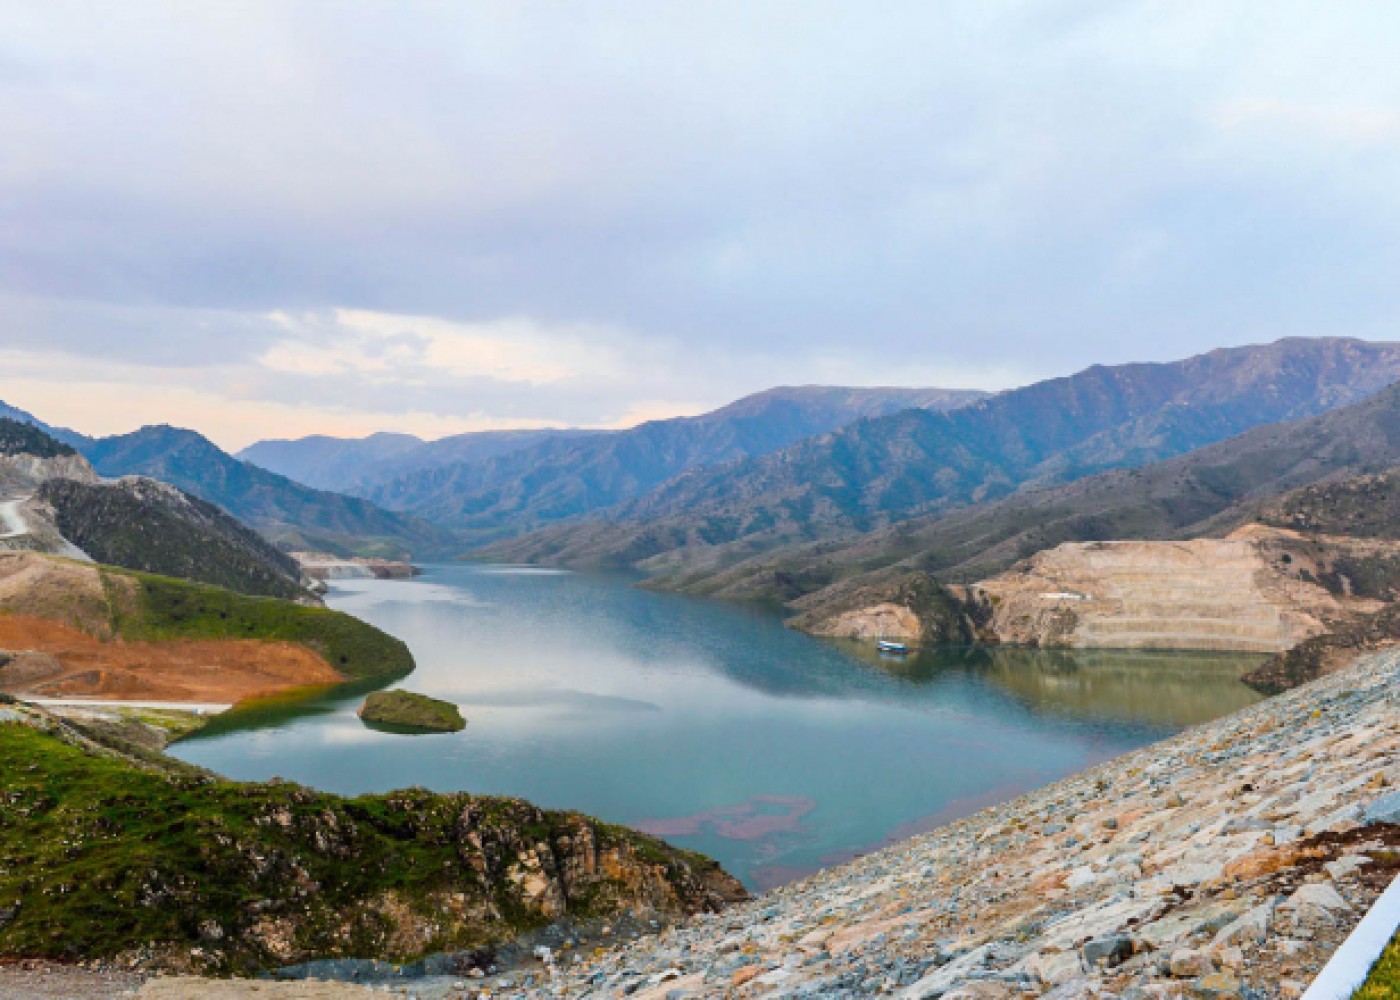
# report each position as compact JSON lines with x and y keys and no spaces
{"x":496,"y":484}
{"x":1207,"y":492}
{"x":881,"y":471}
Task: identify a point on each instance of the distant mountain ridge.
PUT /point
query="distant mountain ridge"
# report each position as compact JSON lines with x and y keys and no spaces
{"x":881,"y":471}
{"x":565,"y":477}
{"x":357,"y":466}
{"x":280,"y":509}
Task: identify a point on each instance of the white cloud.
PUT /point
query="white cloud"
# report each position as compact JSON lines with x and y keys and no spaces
{"x":435,"y":217}
{"x":1311,"y":123}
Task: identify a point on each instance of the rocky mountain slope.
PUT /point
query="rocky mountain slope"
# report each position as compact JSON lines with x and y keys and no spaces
{"x":566,"y":477}
{"x":112,"y":853}
{"x":283,"y":511}
{"x":58,"y":505}
{"x":878,"y":472}
{"x":153,"y":527}
{"x":1227,"y":862}
{"x":1258,"y":590}
{"x":1206,"y":492}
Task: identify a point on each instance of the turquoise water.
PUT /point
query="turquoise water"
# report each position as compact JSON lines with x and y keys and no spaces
{"x":713,"y":725}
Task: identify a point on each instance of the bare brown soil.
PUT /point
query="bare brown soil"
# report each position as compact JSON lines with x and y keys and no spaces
{"x":57,"y":589}
{"x":74,"y":664}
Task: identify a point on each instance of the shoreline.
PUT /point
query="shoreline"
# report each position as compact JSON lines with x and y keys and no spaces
{"x":1230,"y":857}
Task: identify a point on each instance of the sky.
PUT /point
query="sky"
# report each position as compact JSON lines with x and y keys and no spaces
{"x":274,"y":219}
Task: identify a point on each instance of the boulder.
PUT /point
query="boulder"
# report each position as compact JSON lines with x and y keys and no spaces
{"x":1385,"y":809}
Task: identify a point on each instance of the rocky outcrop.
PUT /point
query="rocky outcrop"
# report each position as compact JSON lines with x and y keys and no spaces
{"x":913,"y":608}
{"x":24,"y":473}
{"x":1227,"y":862}
{"x":880,"y":621}
{"x":246,"y":876}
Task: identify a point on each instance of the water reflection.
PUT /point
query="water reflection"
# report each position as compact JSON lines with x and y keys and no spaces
{"x":1161,"y":688}
{"x":771,"y":751}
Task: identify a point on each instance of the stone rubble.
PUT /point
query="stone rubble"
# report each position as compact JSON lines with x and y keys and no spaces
{"x":1226,"y":863}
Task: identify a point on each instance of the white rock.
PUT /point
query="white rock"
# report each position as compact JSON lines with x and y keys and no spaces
{"x":1323,"y":895}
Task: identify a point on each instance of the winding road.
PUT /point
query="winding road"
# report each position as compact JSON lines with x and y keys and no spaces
{"x":11,"y":520}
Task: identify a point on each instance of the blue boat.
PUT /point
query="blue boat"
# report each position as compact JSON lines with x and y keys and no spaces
{"x":893,"y":648}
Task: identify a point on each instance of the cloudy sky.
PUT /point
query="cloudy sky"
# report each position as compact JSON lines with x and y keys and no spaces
{"x":273,"y":219}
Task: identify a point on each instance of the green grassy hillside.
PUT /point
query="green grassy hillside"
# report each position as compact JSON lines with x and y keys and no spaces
{"x":160,"y":608}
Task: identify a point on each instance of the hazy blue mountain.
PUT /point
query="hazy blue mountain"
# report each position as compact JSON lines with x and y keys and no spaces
{"x":279,"y":508}
{"x":882,"y":471}
{"x":566,"y":477}
{"x":360,"y":465}
{"x":327,"y":463}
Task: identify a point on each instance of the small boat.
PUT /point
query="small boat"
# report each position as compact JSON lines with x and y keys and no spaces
{"x":893,"y":648}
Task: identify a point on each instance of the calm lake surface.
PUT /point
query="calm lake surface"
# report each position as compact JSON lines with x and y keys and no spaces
{"x":713,"y":725}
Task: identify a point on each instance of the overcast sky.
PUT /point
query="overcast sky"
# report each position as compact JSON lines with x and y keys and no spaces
{"x":273,"y":219}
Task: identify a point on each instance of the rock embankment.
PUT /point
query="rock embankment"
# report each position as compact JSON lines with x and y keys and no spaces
{"x":1227,"y":862}
{"x":1235,"y":593}
{"x":324,"y":566}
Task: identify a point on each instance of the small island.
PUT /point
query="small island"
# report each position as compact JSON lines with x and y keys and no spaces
{"x":404,"y":711}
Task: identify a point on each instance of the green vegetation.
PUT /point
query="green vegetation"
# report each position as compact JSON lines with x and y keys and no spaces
{"x":18,"y":438}
{"x":414,"y":712}
{"x":105,"y":853}
{"x":1384,"y":981}
{"x":159,"y":608}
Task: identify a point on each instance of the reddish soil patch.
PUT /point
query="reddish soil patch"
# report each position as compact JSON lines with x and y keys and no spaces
{"x":749,"y":820}
{"x":76,"y":665}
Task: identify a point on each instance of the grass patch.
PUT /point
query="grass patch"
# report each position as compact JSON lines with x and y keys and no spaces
{"x":412,"y":712}
{"x":1384,"y":981}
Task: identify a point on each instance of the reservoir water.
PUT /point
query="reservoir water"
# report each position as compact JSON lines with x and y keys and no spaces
{"x":712,"y":725}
